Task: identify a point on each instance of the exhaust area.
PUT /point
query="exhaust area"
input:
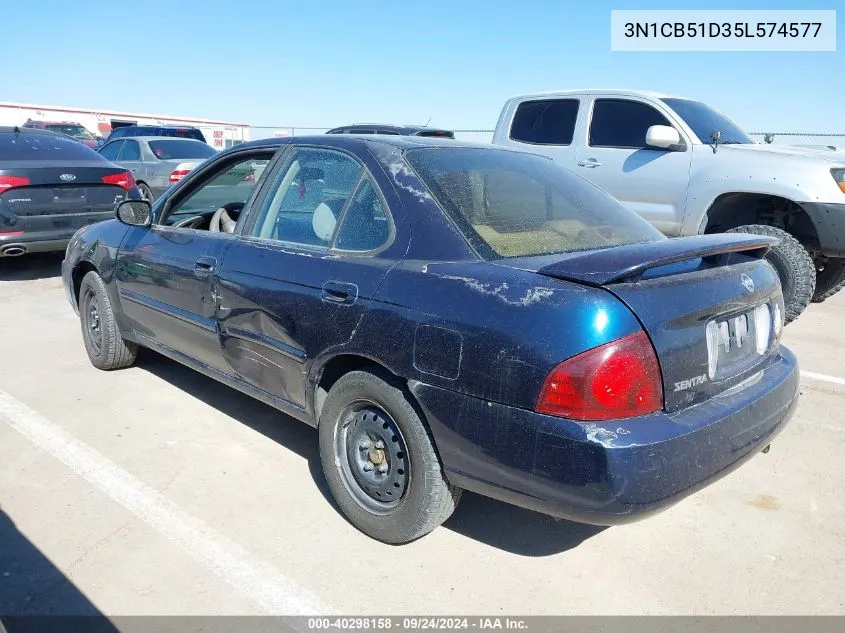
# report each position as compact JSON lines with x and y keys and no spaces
{"x":12,"y":250}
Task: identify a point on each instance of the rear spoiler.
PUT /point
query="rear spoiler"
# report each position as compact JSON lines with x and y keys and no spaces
{"x":629,"y":262}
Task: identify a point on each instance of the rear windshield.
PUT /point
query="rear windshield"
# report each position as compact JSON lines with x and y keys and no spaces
{"x":177,"y":149}
{"x":44,"y":147}
{"x":76,"y":131}
{"x":510,"y":204}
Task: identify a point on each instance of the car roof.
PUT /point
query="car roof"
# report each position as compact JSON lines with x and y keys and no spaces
{"x":403,"y":129}
{"x":10,"y":129}
{"x":361,"y":141}
{"x":614,"y":92}
{"x":154,"y":137}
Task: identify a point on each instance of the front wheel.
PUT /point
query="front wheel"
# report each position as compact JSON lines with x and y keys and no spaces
{"x":793,"y":264}
{"x":379,"y":459}
{"x":103,"y":342}
{"x":830,"y":279}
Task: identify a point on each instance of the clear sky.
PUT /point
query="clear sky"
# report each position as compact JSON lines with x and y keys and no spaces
{"x":325,"y":63}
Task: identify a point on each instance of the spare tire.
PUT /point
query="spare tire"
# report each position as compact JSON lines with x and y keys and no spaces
{"x":830,"y":279}
{"x":793,"y":264}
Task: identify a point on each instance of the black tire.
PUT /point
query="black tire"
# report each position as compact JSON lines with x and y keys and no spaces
{"x":794,"y":266}
{"x":426,"y":498}
{"x":830,"y":279}
{"x":146,"y":192}
{"x":105,"y":346}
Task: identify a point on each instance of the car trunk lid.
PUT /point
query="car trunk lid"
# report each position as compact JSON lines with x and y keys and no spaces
{"x":704,"y":302}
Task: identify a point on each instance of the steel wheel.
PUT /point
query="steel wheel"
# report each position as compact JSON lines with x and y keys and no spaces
{"x":373,"y":458}
{"x":91,"y":318}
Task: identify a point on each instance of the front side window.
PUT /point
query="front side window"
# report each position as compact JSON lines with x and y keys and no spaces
{"x":310,"y":192}
{"x":513,"y":204}
{"x":622,"y":124}
{"x":545,"y":122}
{"x":131,"y":151}
{"x":229,"y":186}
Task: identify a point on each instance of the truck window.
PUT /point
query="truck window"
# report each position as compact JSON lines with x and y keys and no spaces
{"x":545,"y":122}
{"x":621,"y":123}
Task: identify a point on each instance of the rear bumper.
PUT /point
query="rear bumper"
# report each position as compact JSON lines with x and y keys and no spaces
{"x":33,"y":243}
{"x":606,"y":473}
{"x":829,"y":220}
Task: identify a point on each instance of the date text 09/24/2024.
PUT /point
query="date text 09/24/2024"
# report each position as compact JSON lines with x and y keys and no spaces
{"x":421,"y":623}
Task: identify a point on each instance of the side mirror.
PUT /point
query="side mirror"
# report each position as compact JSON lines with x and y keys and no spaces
{"x":663,"y":136}
{"x":134,"y":212}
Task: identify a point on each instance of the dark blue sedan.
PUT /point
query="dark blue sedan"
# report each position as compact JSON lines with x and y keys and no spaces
{"x":450,"y":317}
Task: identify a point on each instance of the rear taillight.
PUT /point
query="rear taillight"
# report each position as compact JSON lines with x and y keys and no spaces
{"x":618,"y":380}
{"x":124,"y":180}
{"x":177,"y":174}
{"x":10,"y":182}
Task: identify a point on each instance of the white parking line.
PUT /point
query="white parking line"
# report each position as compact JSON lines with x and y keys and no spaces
{"x":823,"y":377}
{"x":271,"y":590}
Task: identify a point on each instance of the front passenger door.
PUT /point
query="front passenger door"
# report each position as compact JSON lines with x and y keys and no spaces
{"x":166,"y":274}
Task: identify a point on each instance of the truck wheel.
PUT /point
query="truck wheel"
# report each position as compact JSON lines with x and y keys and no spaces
{"x":793,"y":264}
{"x":379,"y":459}
{"x":830,"y":279}
{"x":103,"y":342}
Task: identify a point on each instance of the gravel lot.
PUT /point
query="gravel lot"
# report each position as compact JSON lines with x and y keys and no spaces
{"x":155,"y":490}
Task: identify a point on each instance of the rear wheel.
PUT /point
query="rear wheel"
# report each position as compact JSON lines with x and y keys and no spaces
{"x":106,"y":348}
{"x":793,"y":264}
{"x":379,"y":459}
{"x":830,"y":279}
{"x":146,"y":192}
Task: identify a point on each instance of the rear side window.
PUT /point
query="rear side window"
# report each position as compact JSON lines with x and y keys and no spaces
{"x":43,"y":147}
{"x":131,"y":151}
{"x":546,"y":122}
{"x":365,"y":226}
{"x":621,"y":123}
{"x":514,"y":204}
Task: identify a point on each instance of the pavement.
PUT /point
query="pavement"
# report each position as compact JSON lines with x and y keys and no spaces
{"x":155,"y":490}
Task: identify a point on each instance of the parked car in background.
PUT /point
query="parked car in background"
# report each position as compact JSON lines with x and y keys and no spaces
{"x":68,"y":128}
{"x":50,"y":186}
{"x":688,"y":170}
{"x":156,"y":162}
{"x":393,"y":130}
{"x":179,"y":131}
{"x":450,"y":317}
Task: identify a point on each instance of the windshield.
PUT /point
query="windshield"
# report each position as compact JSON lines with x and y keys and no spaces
{"x":178,"y":149}
{"x":510,"y":204}
{"x":704,"y":121}
{"x":74,"y":131}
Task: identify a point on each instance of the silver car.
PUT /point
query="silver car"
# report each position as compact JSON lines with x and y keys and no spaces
{"x":156,"y":161}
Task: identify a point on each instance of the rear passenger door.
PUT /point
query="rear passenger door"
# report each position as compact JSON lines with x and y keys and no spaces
{"x":309,"y":260}
{"x":649,"y":181}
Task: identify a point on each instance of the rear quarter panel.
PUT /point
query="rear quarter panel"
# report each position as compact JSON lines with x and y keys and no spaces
{"x":482,"y":329}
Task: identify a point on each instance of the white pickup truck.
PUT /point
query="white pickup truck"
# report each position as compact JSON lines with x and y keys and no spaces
{"x":688,"y":169}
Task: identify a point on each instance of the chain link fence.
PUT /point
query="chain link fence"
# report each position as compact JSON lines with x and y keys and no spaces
{"x":821,"y":140}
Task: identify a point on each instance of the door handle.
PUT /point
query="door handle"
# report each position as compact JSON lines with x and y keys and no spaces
{"x":590,"y":162}
{"x":204,"y":266}
{"x":339,"y":292}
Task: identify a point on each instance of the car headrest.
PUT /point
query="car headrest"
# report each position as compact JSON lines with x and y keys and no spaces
{"x":323,"y":222}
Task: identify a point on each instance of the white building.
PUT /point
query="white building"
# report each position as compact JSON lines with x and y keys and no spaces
{"x":218,"y":134}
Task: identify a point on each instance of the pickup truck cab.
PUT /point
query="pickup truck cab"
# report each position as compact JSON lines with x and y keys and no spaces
{"x":688,"y":170}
